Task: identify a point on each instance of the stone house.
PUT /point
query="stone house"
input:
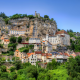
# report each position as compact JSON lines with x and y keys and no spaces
{"x":22,"y":55}
{"x":32,"y":58}
{"x":60,"y":38}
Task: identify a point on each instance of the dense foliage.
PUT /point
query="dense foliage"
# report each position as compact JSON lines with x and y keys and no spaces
{"x":73,"y":67}
{"x":19,"y":39}
{"x":3,"y":15}
{"x":13,"y":39}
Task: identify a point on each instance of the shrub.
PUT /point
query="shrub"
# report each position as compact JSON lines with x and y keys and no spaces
{"x":12,"y":69}
{"x":3,"y":68}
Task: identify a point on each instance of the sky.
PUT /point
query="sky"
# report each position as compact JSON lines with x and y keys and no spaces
{"x":66,"y":13}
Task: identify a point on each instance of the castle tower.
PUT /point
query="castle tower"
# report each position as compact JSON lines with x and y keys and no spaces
{"x":35,"y":14}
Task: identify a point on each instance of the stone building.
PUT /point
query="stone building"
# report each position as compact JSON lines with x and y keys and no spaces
{"x":60,"y":38}
{"x":37,"y":14}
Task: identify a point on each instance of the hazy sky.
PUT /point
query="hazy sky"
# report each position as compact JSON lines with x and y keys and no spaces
{"x":66,"y":13}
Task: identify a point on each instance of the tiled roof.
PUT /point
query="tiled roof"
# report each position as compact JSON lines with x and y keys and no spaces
{"x":62,"y":35}
{"x":48,"y":57}
{"x":29,"y":54}
{"x":38,"y":52}
{"x":46,"y":54}
{"x":17,"y":50}
{"x":73,"y":55}
{"x":2,"y":38}
{"x":6,"y":40}
{"x":66,"y":54}
{"x":77,"y":53}
{"x":61,"y":32}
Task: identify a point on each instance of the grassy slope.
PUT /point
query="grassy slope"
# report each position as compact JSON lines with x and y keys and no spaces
{"x":59,"y":74}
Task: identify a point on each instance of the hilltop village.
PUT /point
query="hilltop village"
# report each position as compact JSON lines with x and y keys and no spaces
{"x":33,"y":40}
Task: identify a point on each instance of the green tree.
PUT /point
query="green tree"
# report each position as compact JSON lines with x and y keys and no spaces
{"x":58,"y":29}
{"x":13,"y":39}
{"x":18,"y":65}
{"x":12,"y":69}
{"x":27,"y":39}
{"x":3,"y":15}
{"x":6,"y":20}
{"x":12,"y":76}
{"x":32,"y":72}
{"x":52,"y":19}
{"x":24,"y":49}
{"x":46,"y":16}
{"x":3,"y":68}
{"x":30,"y":16}
{"x":19,"y":39}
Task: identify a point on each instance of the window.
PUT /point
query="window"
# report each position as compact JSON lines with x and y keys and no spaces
{"x":32,"y":56}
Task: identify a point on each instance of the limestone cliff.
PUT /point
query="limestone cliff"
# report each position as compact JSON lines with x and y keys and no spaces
{"x":35,"y":27}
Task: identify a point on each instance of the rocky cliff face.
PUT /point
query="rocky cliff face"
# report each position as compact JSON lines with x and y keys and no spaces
{"x":39,"y":27}
{"x":2,"y":23}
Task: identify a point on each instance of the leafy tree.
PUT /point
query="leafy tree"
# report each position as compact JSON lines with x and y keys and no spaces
{"x":3,"y":59}
{"x":72,"y":46}
{"x":3,"y":68}
{"x":12,"y":69}
{"x":8,"y":59}
{"x":6,"y":20}
{"x":52,"y":65}
{"x":46,"y":16}
{"x":31,"y":46}
{"x":71,"y":34}
{"x":13,"y":39}
{"x":12,"y":46}
{"x":4,"y":75}
{"x":24,"y":49}
{"x":3,"y":15}
{"x":27,"y":39}
{"x":58,"y":29}
{"x":1,"y":45}
{"x":11,"y":53}
{"x":30,"y":16}
{"x":52,"y":19}
{"x":12,"y":76}
{"x":19,"y":39}
{"x":13,"y":58}
{"x":32,"y":72}
{"x":18,"y":65}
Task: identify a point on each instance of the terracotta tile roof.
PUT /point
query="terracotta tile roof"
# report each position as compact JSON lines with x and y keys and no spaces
{"x":73,"y":55}
{"x":62,"y":35}
{"x":17,"y":50}
{"x":38,"y":52}
{"x":46,"y":54}
{"x":77,"y":53}
{"x":43,"y":41}
{"x":61,"y":32}
{"x":48,"y":57}
{"x":66,"y":54}
{"x":45,"y":63}
{"x":2,"y":38}
{"x":6,"y":40}
{"x":29,"y":54}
